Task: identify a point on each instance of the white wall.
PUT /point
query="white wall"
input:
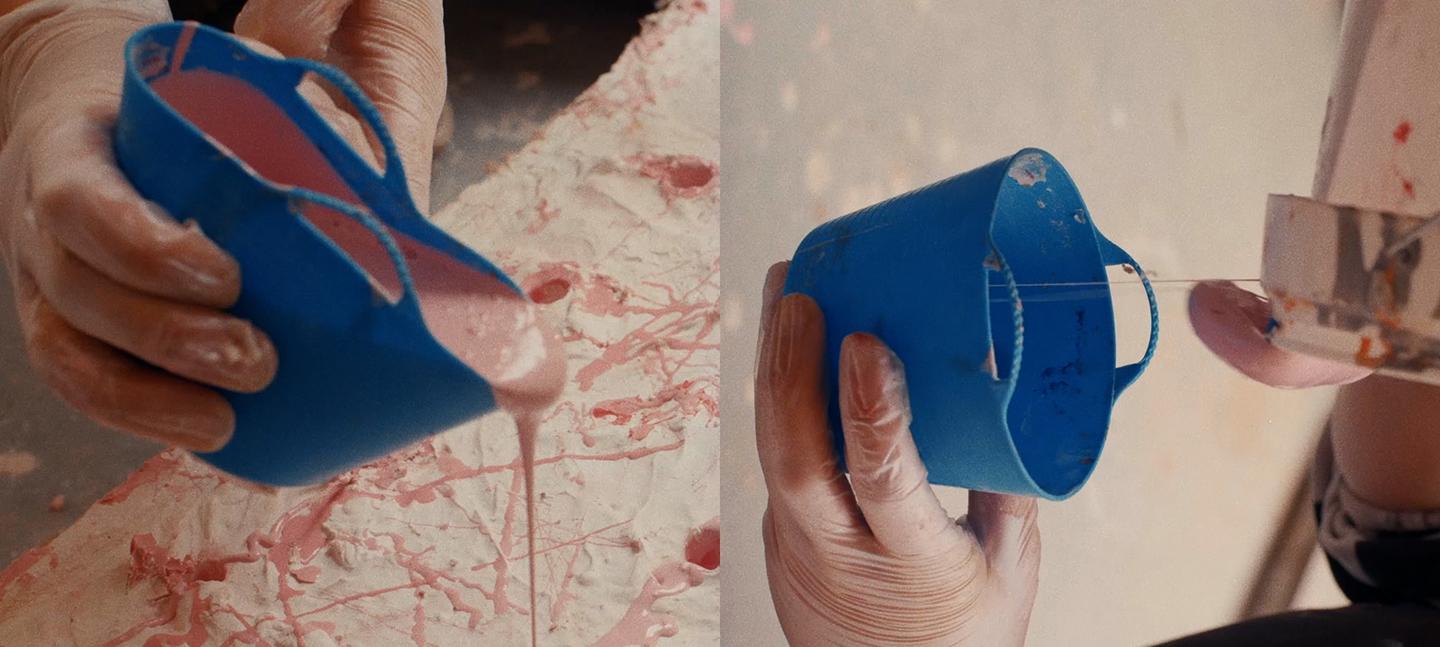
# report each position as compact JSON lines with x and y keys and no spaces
{"x":1175,"y":119}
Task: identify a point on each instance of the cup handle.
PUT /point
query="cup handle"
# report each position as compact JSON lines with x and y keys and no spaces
{"x":393,"y":175}
{"x":1111,"y":254}
{"x":1017,"y":316}
{"x":408,"y":297}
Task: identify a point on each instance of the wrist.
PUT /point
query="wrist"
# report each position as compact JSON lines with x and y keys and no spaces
{"x":1384,"y":434}
{"x":66,"y":50}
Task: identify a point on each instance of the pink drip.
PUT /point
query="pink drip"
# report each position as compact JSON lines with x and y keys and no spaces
{"x":641,"y":625}
{"x":668,"y":327}
{"x":689,"y":397}
{"x":417,"y":633}
{"x":527,"y":425}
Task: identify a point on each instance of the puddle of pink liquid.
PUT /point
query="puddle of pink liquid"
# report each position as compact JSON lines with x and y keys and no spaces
{"x":642,"y":625}
{"x":703,"y":547}
{"x":480,"y":320}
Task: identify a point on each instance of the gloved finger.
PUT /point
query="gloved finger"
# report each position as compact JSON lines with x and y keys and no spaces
{"x":886,"y":473}
{"x":797,"y":456}
{"x":320,"y":97}
{"x":346,"y":124}
{"x":394,"y":49}
{"x":86,"y":203}
{"x":774,"y":285}
{"x":445,"y":131}
{"x":260,"y":45}
{"x":114,"y":389}
{"x":198,"y":343}
{"x":1005,"y":527}
{"x":296,"y":29}
{"x":1231,"y":322}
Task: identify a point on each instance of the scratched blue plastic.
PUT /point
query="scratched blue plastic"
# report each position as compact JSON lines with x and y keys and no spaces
{"x":921,"y":270}
{"x":359,"y":377}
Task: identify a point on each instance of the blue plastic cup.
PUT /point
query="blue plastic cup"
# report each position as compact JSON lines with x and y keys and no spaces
{"x":360,"y":375}
{"x":994,"y":408}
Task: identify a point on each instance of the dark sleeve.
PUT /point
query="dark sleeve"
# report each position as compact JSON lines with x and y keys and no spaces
{"x":1376,"y":555}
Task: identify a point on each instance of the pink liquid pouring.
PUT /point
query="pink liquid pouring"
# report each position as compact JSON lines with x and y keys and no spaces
{"x":485,"y":324}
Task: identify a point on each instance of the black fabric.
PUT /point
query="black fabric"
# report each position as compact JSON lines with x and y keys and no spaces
{"x":1404,"y":565}
{"x":1360,"y":625}
{"x":219,"y":14}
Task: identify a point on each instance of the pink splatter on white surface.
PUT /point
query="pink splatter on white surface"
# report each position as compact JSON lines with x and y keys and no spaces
{"x":428,"y":546}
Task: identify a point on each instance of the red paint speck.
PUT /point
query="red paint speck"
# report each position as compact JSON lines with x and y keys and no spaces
{"x":1402,"y":132}
{"x":680,"y":176}
{"x":546,"y":214}
{"x":691,"y":174}
{"x":550,"y":291}
{"x":212,"y":571}
{"x":1408,"y":186}
{"x":703,"y":547}
{"x":551,"y":283}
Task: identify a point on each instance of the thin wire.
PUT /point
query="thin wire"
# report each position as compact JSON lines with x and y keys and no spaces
{"x":1096,"y":291}
{"x":1127,"y":282}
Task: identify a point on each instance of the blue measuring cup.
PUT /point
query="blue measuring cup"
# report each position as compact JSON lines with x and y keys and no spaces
{"x":1012,"y":378}
{"x":215,"y":133}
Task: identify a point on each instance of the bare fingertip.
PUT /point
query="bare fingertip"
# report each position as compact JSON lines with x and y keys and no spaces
{"x":1216,"y":298}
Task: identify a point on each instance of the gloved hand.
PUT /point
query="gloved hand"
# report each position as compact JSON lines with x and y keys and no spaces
{"x":393,"y":49}
{"x":874,"y":560}
{"x":119,"y":306}
{"x":1231,"y":321}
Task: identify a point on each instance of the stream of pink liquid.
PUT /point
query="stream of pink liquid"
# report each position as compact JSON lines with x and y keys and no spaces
{"x":473,"y":314}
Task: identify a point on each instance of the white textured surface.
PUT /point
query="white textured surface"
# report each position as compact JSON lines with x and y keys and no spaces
{"x":1176,"y":120}
{"x":611,"y":216}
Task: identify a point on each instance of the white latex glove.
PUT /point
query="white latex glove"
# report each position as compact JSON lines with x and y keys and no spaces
{"x":119,"y":305}
{"x":873,"y":560}
{"x":393,"y":49}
